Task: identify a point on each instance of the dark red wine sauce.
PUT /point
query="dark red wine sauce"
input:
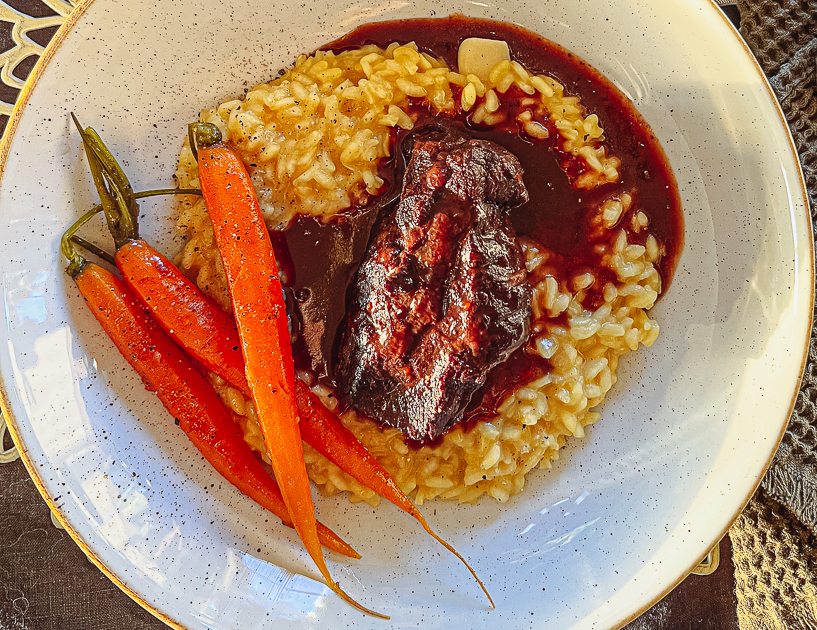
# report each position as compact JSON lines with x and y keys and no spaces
{"x":321,"y":259}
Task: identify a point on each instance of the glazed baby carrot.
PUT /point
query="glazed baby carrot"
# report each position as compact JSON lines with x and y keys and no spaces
{"x":186,"y":394}
{"x":207,"y":334}
{"x":261,"y":318}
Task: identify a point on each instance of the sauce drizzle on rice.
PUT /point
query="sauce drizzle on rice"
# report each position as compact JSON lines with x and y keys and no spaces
{"x":600,"y":236}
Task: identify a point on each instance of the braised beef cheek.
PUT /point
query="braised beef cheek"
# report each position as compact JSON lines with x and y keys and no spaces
{"x":442,"y":293}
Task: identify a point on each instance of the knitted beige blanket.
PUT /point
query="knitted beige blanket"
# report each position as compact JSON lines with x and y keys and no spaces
{"x":774,"y":542}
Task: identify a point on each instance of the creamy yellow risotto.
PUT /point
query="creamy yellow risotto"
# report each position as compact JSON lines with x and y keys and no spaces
{"x":314,"y":140}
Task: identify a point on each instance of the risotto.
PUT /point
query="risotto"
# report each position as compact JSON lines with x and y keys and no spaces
{"x":318,"y":142}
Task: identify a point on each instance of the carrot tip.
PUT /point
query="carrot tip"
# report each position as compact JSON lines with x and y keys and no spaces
{"x":431,"y":533}
{"x":340,"y":546}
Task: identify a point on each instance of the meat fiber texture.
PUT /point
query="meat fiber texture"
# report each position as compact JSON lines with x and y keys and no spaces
{"x":442,"y":293}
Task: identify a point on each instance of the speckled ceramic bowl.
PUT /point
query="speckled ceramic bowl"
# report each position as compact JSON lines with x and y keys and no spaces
{"x":685,"y":436}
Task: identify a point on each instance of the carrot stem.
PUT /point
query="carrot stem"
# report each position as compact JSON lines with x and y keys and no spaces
{"x":106,"y":256}
{"x":75,"y":261}
{"x":94,"y":249}
{"x":116,"y":195}
{"x":112,"y":213}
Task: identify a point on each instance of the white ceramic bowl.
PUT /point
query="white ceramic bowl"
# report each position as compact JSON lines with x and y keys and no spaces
{"x":624,"y":515}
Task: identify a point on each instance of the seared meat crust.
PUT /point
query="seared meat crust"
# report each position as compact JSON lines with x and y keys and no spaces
{"x":442,"y":293}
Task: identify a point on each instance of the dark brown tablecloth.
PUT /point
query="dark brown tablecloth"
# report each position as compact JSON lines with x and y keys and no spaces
{"x":46,"y":583}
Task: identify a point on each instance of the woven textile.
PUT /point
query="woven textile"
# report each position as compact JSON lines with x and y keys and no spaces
{"x":775,"y":560}
{"x":790,"y":62}
{"x":775,"y":548}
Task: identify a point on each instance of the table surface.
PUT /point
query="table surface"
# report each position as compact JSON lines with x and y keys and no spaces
{"x":46,"y":582}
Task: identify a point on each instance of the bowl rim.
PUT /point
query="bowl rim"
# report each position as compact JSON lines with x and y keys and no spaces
{"x":11,"y":421}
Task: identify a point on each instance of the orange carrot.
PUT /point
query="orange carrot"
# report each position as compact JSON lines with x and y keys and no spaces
{"x":166,"y":369}
{"x":205,"y":331}
{"x":261,"y":318}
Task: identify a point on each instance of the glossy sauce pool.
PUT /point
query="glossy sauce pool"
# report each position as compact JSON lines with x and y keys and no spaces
{"x":321,"y":259}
